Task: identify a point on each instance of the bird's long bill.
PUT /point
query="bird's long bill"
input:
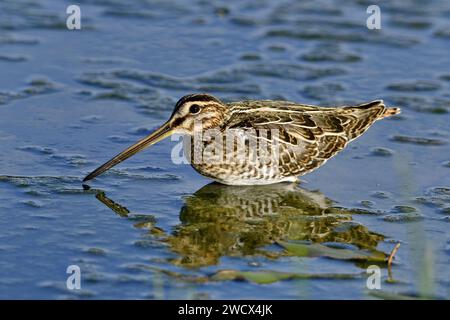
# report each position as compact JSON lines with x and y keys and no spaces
{"x":163,"y":132}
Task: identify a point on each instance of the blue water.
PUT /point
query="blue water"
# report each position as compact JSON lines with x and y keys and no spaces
{"x":69,"y":100}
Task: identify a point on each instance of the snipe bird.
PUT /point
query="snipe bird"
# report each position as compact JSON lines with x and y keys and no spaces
{"x":305,"y":136}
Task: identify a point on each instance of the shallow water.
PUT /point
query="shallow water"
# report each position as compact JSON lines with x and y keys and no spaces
{"x":150,"y":229}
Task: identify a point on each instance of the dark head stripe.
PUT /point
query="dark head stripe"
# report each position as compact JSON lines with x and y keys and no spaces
{"x":195,"y":97}
{"x":203,"y":97}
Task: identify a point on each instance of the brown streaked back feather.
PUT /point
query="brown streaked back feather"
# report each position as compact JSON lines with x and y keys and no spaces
{"x":311,"y":134}
{"x":350,"y":121}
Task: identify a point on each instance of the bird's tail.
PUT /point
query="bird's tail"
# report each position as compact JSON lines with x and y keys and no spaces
{"x":378,"y":107}
{"x":389,"y":112}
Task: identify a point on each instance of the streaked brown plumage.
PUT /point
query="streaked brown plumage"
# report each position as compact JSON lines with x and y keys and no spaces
{"x":304,"y":136}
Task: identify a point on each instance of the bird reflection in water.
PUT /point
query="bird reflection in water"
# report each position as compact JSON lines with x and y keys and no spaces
{"x":220,"y":220}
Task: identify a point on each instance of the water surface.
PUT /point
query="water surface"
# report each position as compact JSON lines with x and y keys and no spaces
{"x":150,"y":229}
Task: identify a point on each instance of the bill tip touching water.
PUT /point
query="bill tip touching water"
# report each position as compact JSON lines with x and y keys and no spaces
{"x":256,"y":142}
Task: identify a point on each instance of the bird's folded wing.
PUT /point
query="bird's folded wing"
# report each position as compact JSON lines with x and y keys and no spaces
{"x":308,"y":135}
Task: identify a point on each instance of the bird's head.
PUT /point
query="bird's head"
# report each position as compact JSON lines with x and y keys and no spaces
{"x":197,"y":112}
{"x":192,"y":112}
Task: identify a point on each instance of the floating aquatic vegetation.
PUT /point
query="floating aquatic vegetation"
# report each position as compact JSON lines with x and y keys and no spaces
{"x":130,"y":13}
{"x":403,"y":209}
{"x":25,"y":15}
{"x":410,"y":23}
{"x":32,"y":203}
{"x":319,"y":250}
{"x":108,"y":80}
{"x":119,"y":139}
{"x":234,"y":79}
{"x":332,"y":23}
{"x":92,"y":119}
{"x":44,"y":186}
{"x":295,"y":8}
{"x":75,"y":160}
{"x":381,"y":194}
{"x":422,"y":104}
{"x":142,"y":175}
{"x":251,"y":56}
{"x":268,"y":276}
{"x":437,"y":197}
{"x":17,"y":39}
{"x":329,"y":52}
{"x":387,"y":295}
{"x":366,"y":203}
{"x":146,"y":10}
{"x":36,"y":86}
{"x":258,"y":277}
{"x":414,"y":86}
{"x":418,"y":140}
{"x":107,"y":60}
{"x":403,"y":217}
{"x":152,"y":79}
{"x":96,"y":251}
{"x":23,"y":181}
{"x":38,"y":149}
{"x":442,"y":33}
{"x":342,"y":210}
{"x":381,"y":152}
{"x":332,"y":35}
{"x":14,"y":57}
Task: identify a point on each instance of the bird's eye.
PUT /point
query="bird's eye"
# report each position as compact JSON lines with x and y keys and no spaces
{"x":195,"y":108}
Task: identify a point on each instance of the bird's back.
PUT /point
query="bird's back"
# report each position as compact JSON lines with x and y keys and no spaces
{"x":291,"y":139}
